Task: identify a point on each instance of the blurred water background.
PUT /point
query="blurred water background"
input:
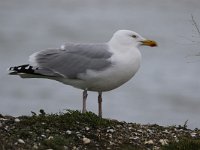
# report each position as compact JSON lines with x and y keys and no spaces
{"x":166,"y":90}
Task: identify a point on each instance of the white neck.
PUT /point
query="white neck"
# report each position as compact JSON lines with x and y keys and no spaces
{"x":122,"y":45}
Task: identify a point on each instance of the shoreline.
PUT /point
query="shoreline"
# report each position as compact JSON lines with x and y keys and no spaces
{"x":74,"y":130}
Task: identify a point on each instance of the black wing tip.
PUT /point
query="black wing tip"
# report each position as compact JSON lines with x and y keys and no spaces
{"x":21,"y":69}
{"x":13,"y":73}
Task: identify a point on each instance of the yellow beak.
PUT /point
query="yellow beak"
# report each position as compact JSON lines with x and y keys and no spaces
{"x":149,"y":43}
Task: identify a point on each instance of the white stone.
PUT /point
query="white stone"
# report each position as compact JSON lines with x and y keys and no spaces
{"x":134,"y":138}
{"x":69,"y":132}
{"x":119,"y":126}
{"x":74,"y":147}
{"x":130,"y":128}
{"x":193,"y":134}
{"x":110,"y":130}
{"x":17,"y":120}
{"x":149,"y":142}
{"x":163,"y":141}
{"x":150,"y":131}
{"x":87,"y":128}
{"x":6,"y":127}
{"x":111,"y":143}
{"x":166,"y":131}
{"x":140,"y":131}
{"x":50,"y":137}
{"x":156,"y":148}
{"x":44,"y":136}
{"x":3,"y":119}
{"x":86,"y":140}
{"x":21,"y":141}
{"x":35,"y":146}
{"x":66,"y":148}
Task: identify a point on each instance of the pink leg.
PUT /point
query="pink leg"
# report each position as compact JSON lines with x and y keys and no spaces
{"x":100,"y":104}
{"x":84,"y":101}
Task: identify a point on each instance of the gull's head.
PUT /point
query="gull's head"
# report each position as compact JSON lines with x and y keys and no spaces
{"x":129,"y":38}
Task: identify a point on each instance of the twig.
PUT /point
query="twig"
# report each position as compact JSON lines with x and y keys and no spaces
{"x":195,"y":24}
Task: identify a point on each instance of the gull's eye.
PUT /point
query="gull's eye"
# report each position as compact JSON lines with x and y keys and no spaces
{"x":134,"y":36}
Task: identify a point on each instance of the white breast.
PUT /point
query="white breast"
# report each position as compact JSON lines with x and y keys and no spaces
{"x":124,"y":66}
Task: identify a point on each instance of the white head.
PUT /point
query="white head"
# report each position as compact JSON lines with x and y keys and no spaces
{"x":129,"y":38}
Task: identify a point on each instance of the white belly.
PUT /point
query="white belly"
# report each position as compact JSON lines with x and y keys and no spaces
{"x":123,"y":69}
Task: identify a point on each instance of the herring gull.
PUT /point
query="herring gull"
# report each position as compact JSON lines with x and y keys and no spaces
{"x":91,"y":67}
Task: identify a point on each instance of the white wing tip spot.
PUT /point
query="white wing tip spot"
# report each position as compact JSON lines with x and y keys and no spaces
{"x":27,"y":67}
{"x":10,"y":69}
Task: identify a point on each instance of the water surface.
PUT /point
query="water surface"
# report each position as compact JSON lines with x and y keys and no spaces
{"x":166,"y":88}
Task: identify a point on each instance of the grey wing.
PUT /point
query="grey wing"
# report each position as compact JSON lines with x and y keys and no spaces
{"x":72,"y":60}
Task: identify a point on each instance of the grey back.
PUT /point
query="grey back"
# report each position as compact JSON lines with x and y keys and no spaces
{"x":73,"y":59}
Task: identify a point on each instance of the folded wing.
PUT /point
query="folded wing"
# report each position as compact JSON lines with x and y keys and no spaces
{"x":71,"y":60}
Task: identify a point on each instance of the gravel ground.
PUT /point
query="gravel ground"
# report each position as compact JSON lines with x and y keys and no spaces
{"x":77,"y":131}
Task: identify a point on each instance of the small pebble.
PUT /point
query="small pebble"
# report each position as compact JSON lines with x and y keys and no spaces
{"x":44,"y":136}
{"x":156,"y":148}
{"x":86,"y":140}
{"x":21,"y":141}
{"x":35,"y":146}
{"x":69,"y":132}
{"x":166,"y":131}
{"x":140,"y":131}
{"x":134,"y":138}
{"x":87,"y":128}
{"x":110,"y":130}
{"x":130,"y":128}
{"x":119,"y":126}
{"x":17,"y":120}
{"x":150,"y":131}
{"x":111,"y":143}
{"x":3,"y":119}
{"x":193,"y":134}
{"x":50,"y":137}
{"x":66,"y":148}
{"x":163,"y":141}
{"x":78,"y":134}
{"x":6,"y":128}
{"x":150,"y":142}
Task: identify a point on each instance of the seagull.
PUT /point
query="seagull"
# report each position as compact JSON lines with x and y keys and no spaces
{"x":97,"y":67}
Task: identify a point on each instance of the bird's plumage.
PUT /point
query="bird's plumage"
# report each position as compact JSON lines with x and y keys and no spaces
{"x":93,"y":67}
